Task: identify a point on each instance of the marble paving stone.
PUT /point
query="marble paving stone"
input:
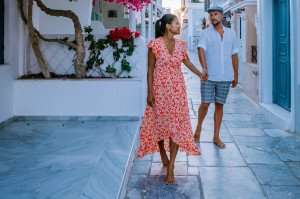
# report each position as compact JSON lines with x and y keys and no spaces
{"x":259,"y":155}
{"x":213,"y":156}
{"x":180,"y":168}
{"x":64,"y":159}
{"x":295,"y":168}
{"x":258,"y":141}
{"x":233,"y":183}
{"x":193,"y":171}
{"x":288,"y":148}
{"x":274,"y":175}
{"x":136,"y":181}
{"x":246,"y":131}
{"x":276,"y":133}
{"x":248,"y":124}
{"x":279,"y":192}
{"x":133,"y":193}
{"x":157,"y":169}
{"x":141,"y":167}
{"x":237,"y":117}
{"x":185,"y":187}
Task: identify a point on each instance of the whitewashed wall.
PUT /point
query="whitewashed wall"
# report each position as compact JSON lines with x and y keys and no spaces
{"x":101,"y":97}
{"x":49,"y":25}
{"x":114,"y":97}
{"x":13,"y":55}
{"x":6,"y":92}
{"x":295,"y":56}
{"x":60,"y":58}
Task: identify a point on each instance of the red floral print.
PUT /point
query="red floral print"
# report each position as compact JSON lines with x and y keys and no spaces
{"x":169,"y":116}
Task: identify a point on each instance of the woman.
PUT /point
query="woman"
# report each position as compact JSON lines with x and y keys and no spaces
{"x":166,"y":121}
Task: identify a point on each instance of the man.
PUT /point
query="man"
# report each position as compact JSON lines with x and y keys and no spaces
{"x":218,"y":55}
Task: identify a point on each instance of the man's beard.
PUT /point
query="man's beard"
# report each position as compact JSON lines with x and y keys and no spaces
{"x":216,"y":24}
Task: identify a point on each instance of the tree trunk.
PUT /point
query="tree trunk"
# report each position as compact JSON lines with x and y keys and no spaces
{"x":80,"y":67}
{"x":35,"y":43}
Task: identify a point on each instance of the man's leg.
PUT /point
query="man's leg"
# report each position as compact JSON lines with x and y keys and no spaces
{"x":207,"y":97}
{"x":218,"y":116}
{"x":222,"y":90}
{"x":202,"y":111}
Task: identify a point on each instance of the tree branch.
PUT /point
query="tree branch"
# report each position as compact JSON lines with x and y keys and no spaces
{"x":63,"y":41}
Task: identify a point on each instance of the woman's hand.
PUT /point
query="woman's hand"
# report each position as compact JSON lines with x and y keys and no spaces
{"x":204,"y":75}
{"x":150,"y":99}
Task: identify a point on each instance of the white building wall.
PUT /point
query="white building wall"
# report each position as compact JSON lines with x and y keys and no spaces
{"x":6,"y":92}
{"x":121,"y":20}
{"x":13,"y":55}
{"x":48,"y":24}
{"x":295,"y":53}
{"x":287,"y":120}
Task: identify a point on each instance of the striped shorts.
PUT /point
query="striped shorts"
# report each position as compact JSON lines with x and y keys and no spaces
{"x":214,"y":91}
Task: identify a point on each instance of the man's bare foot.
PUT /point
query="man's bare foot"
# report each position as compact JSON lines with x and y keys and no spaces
{"x":170,"y":179}
{"x":218,"y":142}
{"x":197,"y":137}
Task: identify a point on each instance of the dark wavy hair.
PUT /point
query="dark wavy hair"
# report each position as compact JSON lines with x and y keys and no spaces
{"x":160,"y":25}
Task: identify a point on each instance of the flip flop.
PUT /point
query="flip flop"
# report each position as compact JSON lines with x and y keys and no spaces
{"x":219,"y":144}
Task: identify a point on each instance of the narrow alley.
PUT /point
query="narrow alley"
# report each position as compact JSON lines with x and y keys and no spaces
{"x":259,"y":161}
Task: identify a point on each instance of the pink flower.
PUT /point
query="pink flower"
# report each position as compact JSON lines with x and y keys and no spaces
{"x":132,"y":4}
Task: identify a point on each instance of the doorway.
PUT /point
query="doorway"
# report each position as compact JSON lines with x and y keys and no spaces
{"x":281,"y":54}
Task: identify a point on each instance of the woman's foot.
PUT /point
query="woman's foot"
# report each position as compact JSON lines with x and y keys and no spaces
{"x":170,"y":179}
{"x":218,"y":142}
{"x":163,"y":154}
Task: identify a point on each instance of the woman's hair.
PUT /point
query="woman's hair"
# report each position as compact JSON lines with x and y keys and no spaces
{"x":161,"y":24}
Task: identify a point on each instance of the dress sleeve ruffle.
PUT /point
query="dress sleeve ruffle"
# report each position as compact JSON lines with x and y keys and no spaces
{"x":154,"y":47}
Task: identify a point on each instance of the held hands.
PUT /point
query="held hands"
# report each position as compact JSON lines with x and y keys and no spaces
{"x":204,"y":75}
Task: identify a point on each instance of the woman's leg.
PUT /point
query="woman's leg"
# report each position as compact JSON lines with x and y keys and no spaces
{"x":170,"y":172}
{"x":163,"y":153}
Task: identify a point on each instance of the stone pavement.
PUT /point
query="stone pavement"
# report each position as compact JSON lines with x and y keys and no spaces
{"x":65,"y":158}
{"x":260,"y":160}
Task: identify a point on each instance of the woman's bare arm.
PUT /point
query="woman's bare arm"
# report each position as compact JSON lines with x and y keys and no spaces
{"x":151,"y":65}
{"x":202,"y":59}
{"x":187,"y":62}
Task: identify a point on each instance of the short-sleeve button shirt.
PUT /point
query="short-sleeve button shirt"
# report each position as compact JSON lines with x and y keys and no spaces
{"x":218,"y":53}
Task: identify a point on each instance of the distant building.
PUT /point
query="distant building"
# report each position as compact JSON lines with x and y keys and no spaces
{"x":191,"y":19}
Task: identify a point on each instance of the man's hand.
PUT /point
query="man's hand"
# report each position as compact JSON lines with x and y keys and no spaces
{"x":234,"y":82}
{"x":204,"y":75}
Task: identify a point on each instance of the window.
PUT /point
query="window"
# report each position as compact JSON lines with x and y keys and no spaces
{"x":112,"y":14}
{"x":196,"y":1}
{"x":1,"y":31}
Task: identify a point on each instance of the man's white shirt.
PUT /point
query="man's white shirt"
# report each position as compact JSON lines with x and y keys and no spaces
{"x":218,"y":53}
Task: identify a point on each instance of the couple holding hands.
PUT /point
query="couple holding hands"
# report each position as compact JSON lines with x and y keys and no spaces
{"x":166,"y":125}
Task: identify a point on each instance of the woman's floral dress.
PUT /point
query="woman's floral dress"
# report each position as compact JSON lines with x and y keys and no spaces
{"x":169,"y":116}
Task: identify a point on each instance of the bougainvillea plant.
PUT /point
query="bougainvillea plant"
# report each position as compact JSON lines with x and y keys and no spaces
{"x":122,"y":42}
{"x":132,"y":4}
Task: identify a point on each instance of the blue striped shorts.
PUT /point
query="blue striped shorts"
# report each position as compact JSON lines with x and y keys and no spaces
{"x":214,"y":91}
